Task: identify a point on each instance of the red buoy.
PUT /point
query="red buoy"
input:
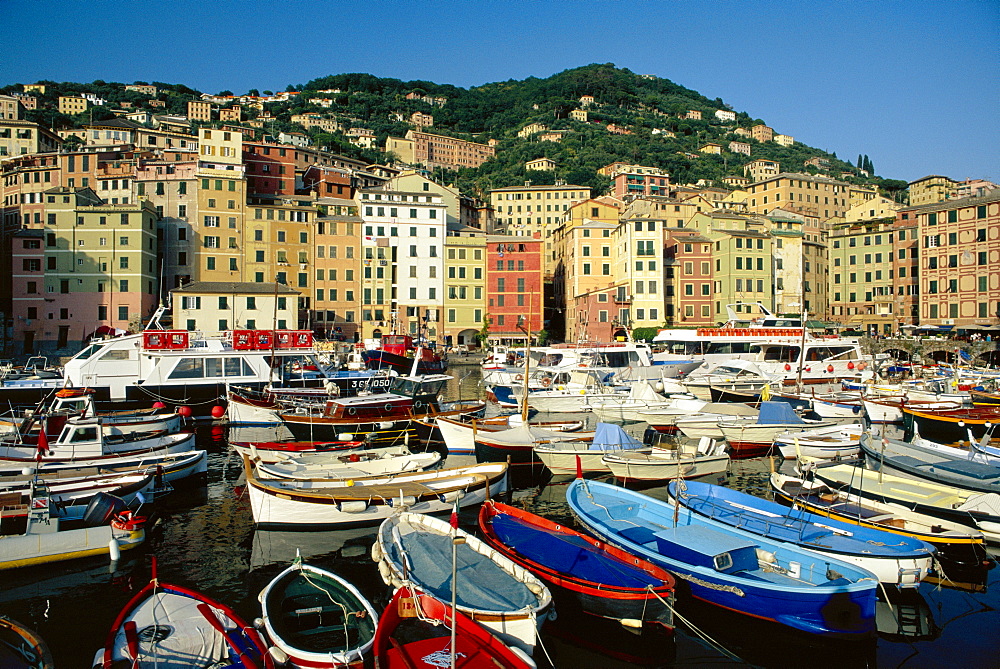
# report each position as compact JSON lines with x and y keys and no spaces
{"x":218,"y":411}
{"x":159,"y":405}
{"x":850,"y":365}
{"x":829,"y":368}
{"x":788,"y":367}
{"x":184,"y":411}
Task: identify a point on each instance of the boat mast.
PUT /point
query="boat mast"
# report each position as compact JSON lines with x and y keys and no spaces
{"x":802,"y":349}
{"x":527,"y":360}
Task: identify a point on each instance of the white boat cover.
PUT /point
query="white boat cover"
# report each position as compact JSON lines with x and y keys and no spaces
{"x":173,"y":634}
{"x":530,"y":435}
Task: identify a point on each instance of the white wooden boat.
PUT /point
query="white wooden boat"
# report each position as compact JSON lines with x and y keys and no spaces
{"x":708,"y":457}
{"x":316,"y":618}
{"x":890,"y":409}
{"x":170,"y":466}
{"x":334,"y":504}
{"x":738,"y":375}
{"x":570,"y":457}
{"x":86,"y":442}
{"x":835,"y":441}
{"x":585,"y":389}
{"x":416,"y":551}
{"x":749,"y":439}
{"x":460,"y":436}
{"x":351,"y":465}
{"x":641,"y":397}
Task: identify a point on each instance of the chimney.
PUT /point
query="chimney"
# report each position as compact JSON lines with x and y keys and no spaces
{"x":527,"y":184}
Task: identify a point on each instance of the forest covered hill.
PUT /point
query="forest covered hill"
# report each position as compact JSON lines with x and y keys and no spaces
{"x":651,"y":109}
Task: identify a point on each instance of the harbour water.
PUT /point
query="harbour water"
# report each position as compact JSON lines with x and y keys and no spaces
{"x":205,"y":539}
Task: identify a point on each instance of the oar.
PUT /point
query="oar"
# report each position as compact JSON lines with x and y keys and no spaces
{"x":214,"y":621}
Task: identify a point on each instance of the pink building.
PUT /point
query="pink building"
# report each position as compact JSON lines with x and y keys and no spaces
{"x":638,"y":181}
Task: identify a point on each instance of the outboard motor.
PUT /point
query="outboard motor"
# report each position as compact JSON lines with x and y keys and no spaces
{"x":102,"y":508}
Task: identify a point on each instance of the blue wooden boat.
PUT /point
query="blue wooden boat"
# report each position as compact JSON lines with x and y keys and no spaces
{"x":895,"y":559}
{"x":937,"y":465}
{"x":732,"y":569}
{"x":586,"y":573}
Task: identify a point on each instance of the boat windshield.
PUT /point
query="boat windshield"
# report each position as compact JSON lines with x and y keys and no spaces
{"x":88,"y":352}
{"x":775,"y":353}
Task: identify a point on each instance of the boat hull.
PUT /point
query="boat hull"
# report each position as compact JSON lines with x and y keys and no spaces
{"x":28,"y":550}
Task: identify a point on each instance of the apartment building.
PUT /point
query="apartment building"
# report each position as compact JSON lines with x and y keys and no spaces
{"x":813,"y":195}
{"x":930,"y":189}
{"x":960,"y":260}
{"x":402,"y":280}
{"x":11,"y":108}
{"x":438,"y":150}
{"x":270,"y":169}
{"x":688,"y":279}
{"x":172,"y":189}
{"x":863,"y":274}
{"x":19,"y":138}
{"x":525,"y":210}
{"x":637,"y":180}
{"x":638,"y":271}
{"x":515,"y":287}
{"x":199,"y":110}
{"x":218,"y":306}
{"x":465,"y":285}
{"x":218,"y":224}
{"x":585,"y":271}
{"x":72,"y":104}
{"x":783,"y":140}
{"x":761,"y":169}
{"x":762,"y":133}
{"x":96,"y":266}
{"x":336,"y":294}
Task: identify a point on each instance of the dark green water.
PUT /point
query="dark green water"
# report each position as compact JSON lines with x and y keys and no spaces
{"x":207,"y":541}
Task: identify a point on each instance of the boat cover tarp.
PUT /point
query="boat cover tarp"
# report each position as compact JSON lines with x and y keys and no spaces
{"x":527,"y":434}
{"x":778,"y":413}
{"x":569,"y":554}
{"x":192,"y":641}
{"x":482,"y":584}
{"x":611,"y":437}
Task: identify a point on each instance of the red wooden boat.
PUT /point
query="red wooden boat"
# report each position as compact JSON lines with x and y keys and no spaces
{"x":597,"y":578}
{"x":475,"y":646}
{"x":169,"y":625}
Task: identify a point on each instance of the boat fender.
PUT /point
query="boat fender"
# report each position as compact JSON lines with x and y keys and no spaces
{"x":279,"y":656}
{"x":528,"y":661}
{"x":345,"y":436}
{"x":388,"y":407}
{"x":352,"y":411}
{"x":829,"y":368}
{"x":536,"y":588}
{"x":395,"y":582}
{"x":352,"y":506}
{"x":631,"y":623}
{"x":385,"y":572}
{"x":451,"y":496}
{"x":385,"y":426}
{"x":114,"y":550}
{"x":546,"y":382}
{"x":402,"y":501}
{"x":376,"y":552}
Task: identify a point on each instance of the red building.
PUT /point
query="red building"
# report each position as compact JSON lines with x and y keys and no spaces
{"x":270,"y":169}
{"x":514,"y":286}
{"x":327,"y":182}
{"x":689,"y":280}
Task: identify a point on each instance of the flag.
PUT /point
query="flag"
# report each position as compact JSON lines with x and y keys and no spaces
{"x":454,"y":516}
{"x":43,"y":443}
{"x":765,"y":392}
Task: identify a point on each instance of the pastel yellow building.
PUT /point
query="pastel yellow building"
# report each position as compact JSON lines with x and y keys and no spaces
{"x":579,"y":115}
{"x":809,"y":194}
{"x":711,"y":148}
{"x":540,"y":165}
{"x":784,"y":140}
{"x":930,"y":189}
{"x":71,"y":104}
{"x":464,"y":286}
{"x":199,"y":110}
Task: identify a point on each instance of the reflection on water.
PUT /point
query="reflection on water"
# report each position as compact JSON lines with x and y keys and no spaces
{"x":206,"y":540}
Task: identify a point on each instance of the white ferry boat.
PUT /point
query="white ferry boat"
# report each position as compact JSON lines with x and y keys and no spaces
{"x":190,"y":368}
{"x":775,"y":344}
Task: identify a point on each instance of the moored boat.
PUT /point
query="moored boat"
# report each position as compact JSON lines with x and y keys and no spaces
{"x":836,"y":441}
{"x":416,"y":550}
{"x":598,"y":578}
{"x":475,"y":646}
{"x":749,"y":439}
{"x":22,"y":648}
{"x":731,"y":569}
{"x":342,"y":503}
{"x":166,"y":625}
{"x":706,"y":458}
{"x":567,"y":457}
{"x":317,"y":619}
{"x":375,"y":462}
{"x":894,"y":559}
{"x":933,"y":465}
{"x":947,"y":427}
{"x":460,"y":436}
{"x":956,"y":541}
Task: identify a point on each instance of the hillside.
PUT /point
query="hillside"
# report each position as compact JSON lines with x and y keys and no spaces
{"x":651,"y":109}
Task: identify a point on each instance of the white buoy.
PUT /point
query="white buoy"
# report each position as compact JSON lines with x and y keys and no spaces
{"x":115,"y":551}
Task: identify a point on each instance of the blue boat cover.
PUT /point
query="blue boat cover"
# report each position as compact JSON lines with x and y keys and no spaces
{"x":611,"y":437}
{"x":778,"y":413}
{"x":569,"y":554}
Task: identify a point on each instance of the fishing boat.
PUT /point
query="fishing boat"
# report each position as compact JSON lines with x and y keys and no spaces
{"x":376,"y":462}
{"x":732,"y":376}
{"x":894,"y":559}
{"x":585,"y":573}
{"x":729,"y":568}
{"x":87,"y":442}
{"x":170,"y":467}
{"x":344,"y":503}
{"x":956,"y":541}
{"x":409,"y":397}
{"x":930,"y":464}
{"x":585,"y":389}
{"x":518,"y":444}
{"x":834,"y":442}
{"x":22,"y":648}
{"x":665,"y":420}
{"x":70,"y":496}
{"x":641,"y":397}
{"x":705,"y":423}
{"x":706,"y":457}
{"x":749,"y":439}
{"x":275,"y":451}
{"x":984,"y":398}
{"x":567,"y":457}
{"x":33,"y":533}
{"x":403,"y":354}
{"x":947,"y":427}
{"x":977,"y":511}
{"x":890,"y":409}
{"x":475,"y":647}
{"x":316,"y":619}
{"x":460,"y":436}
{"x":166,"y":625}
{"x":416,"y":550}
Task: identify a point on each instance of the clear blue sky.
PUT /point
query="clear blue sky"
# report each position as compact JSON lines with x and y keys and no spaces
{"x":912,"y":84}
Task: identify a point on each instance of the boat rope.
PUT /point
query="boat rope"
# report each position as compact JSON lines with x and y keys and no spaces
{"x":347,"y":614}
{"x":699,"y":633}
{"x":165,"y":399}
{"x":538,"y":636}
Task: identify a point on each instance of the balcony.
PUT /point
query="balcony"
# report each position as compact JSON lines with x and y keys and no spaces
{"x":622,"y":299}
